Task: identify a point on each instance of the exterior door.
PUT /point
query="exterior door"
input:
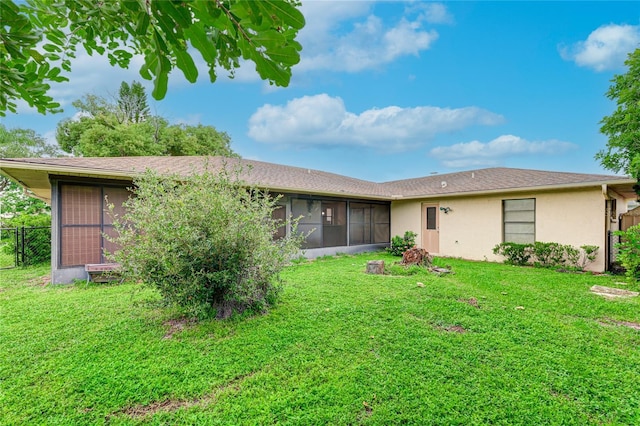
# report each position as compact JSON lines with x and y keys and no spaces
{"x":430,"y":228}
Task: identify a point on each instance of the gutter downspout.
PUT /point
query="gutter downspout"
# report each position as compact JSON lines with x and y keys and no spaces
{"x":607,"y":221}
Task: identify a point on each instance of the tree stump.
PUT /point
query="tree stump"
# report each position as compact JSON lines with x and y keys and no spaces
{"x":416,"y":256}
{"x":375,"y":267}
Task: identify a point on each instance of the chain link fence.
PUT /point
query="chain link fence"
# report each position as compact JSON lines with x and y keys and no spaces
{"x":24,"y":246}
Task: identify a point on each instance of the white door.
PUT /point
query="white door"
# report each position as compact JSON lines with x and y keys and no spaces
{"x":430,"y":228}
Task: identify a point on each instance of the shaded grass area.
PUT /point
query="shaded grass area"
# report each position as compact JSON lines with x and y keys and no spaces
{"x":489,"y":344}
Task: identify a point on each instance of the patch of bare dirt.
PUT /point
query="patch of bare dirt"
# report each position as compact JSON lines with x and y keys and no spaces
{"x":170,"y":405}
{"x":612,"y":293}
{"x":175,"y":326}
{"x":42,"y":281}
{"x":630,"y":324}
{"x":471,"y":301}
{"x":454,"y":329}
{"x":367,"y":409}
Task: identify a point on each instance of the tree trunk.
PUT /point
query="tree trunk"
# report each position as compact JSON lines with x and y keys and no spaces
{"x":375,"y":267}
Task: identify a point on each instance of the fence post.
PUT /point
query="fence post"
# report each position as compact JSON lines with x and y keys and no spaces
{"x":24,"y":233}
{"x":16,"y":248}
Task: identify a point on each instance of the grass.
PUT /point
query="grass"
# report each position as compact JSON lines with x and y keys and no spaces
{"x":7,"y":260}
{"x":488,"y":344}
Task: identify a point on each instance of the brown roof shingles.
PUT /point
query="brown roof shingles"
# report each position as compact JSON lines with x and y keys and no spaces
{"x":296,"y":179}
{"x":267,"y":175}
{"x":492,"y":179}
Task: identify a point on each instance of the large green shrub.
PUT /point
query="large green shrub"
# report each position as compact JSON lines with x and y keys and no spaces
{"x":401,"y":244}
{"x":205,"y":242}
{"x":629,"y":251}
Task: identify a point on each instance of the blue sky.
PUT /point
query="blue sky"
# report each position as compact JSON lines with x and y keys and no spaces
{"x":392,"y":90}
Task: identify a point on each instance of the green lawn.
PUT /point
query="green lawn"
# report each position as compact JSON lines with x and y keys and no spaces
{"x":341,"y":347}
{"x":7,"y":260}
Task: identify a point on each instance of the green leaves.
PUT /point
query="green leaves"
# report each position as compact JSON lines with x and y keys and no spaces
{"x":289,"y":15}
{"x":622,"y":127}
{"x":26,"y":72}
{"x":186,"y":64}
{"x":164,"y":32}
{"x":203,"y":241}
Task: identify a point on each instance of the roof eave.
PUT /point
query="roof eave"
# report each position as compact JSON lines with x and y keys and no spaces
{"x":341,"y":194}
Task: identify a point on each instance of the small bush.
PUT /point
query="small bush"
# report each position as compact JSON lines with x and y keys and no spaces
{"x":514,"y":253}
{"x":589,"y":254}
{"x":548,"y":254}
{"x":205,"y":242}
{"x":629,"y":251}
{"x":401,"y":244}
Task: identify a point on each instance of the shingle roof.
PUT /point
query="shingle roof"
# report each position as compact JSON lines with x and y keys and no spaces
{"x":493,"y":179}
{"x":266,"y":175}
{"x":278,"y":177}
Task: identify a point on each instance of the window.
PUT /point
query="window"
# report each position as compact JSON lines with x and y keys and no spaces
{"x":83,"y":220}
{"x":519,"y":220}
{"x":431,"y":218}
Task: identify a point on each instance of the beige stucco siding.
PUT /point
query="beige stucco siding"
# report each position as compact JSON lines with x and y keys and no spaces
{"x":471,"y":228}
{"x":474,"y":224}
{"x":405,"y":216}
{"x":575,"y":218}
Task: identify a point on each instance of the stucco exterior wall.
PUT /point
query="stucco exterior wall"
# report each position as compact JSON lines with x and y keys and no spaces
{"x":406,"y":216}
{"x":473,"y":225}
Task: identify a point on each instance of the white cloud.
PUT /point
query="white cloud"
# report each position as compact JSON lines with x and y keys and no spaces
{"x":606,"y":47}
{"x":323,"y":120}
{"x":432,"y":13}
{"x":94,"y":74}
{"x":50,"y":137}
{"x":338,"y":36}
{"x":91,"y":74}
{"x":189,"y":120}
{"x":475,"y":153}
{"x":348,"y":36}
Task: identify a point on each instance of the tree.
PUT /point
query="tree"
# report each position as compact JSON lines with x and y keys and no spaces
{"x":17,"y":143}
{"x":39,"y":38}
{"x":20,"y":143}
{"x":629,"y":251}
{"x":125,"y":128}
{"x":205,"y":242}
{"x":623,"y":126}
{"x":132,"y":103}
{"x":195,"y":140}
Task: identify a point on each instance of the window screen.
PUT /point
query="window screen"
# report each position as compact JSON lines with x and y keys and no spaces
{"x":334,"y":223}
{"x":368,"y":223}
{"x":280,"y":214}
{"x":310,"y":224}
{"x":84,"y":217}
{"x":519,"y":220}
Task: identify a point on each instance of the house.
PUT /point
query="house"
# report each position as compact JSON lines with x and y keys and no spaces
{"x":463,"y":214}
